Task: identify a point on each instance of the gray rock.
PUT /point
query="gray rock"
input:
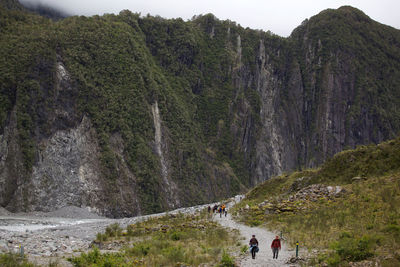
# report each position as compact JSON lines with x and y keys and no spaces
{"x":4,"y":212}
{"x":358,"y":179}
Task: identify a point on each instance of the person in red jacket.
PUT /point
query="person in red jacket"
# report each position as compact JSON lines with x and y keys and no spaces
{"x":276,"y":246}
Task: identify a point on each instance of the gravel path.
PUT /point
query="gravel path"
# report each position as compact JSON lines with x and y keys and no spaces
{"x":264,"y":237}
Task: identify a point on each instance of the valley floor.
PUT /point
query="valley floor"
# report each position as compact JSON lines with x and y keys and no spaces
{"x":46,"y":239}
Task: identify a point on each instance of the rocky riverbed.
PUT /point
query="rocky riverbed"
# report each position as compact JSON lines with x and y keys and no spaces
{"x":57,"y":235}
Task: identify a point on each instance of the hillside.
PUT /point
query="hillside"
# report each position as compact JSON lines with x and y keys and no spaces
{"x":347,"y":210}
{"x":131,"y":115}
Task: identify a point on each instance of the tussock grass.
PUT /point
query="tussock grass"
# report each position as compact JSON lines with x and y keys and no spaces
{"x":14,"y":260}
{"x":362,"y":224}
{"x":165,"y":241}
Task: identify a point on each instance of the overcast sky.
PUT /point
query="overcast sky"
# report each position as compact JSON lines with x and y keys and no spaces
{"x":278,"y":16}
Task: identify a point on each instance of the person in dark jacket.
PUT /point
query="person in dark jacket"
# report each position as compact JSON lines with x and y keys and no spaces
{"x":276,"y":246}
{"x":215,"y":208}
{"x":253,"y":246}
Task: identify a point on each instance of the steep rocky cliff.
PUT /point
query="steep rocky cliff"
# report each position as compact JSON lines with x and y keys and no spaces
{"x":128,"y":115}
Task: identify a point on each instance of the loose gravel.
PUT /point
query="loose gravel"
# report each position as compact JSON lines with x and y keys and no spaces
{"x":55,"y":236}
{"x":264,"y":237}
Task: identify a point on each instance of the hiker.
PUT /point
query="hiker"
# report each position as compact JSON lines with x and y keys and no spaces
{"x":226,"y":212}
{"x":253,"y":246}
{"x":220,"y":212}
{"x":209,"y":209}
{"x":276,"y":246}
{"x":215,"y":208}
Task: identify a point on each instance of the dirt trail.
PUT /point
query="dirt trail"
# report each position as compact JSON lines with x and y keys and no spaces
{"x":264,"y":237}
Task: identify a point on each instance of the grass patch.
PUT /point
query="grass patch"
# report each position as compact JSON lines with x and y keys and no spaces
{"x":165,"y":241}
{"x":95,"y":258}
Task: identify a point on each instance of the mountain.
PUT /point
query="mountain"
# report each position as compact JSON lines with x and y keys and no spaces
{"x":129,"y":115}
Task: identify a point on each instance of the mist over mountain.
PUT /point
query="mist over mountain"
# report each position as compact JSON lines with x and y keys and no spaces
{"x":129,"y":115}
{"x":45,"y":10}
{"x":36,"y":7}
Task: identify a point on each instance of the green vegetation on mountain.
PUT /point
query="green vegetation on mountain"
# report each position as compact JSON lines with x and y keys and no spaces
{"x":365,"y":80}
{"x":118,"y":81}
{"x":169,"y":240}
{"x":361,"y":223}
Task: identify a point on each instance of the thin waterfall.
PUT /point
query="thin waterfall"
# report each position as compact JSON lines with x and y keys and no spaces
{"x":158,"y":142}
{"x":170,"y":186}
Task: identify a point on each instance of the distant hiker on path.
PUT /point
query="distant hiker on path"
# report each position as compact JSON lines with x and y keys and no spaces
{"x":253,"y":246}
{"x":276,"y":246}
{"x":215,"y":208}
{"x":226,"y":212}
{"x":209,"y":209}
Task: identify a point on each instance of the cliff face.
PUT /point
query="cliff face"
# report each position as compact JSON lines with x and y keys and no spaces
{"x":325,"y":102}
{"x":128,"y":115}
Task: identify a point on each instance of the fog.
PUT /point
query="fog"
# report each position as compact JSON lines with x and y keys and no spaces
{"x":278,"y":16}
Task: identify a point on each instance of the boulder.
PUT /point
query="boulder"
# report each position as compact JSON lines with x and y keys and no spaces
{"x":300,"y":183}
{"x":358,"y":179}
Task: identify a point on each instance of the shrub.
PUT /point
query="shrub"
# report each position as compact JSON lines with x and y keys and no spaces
{"x":130,"y":230}
{"x":101,"y":237}
{"x":345,"y":234}
{"x":140,"y":249}
{"x":354,"y":249}
{"x":226,"y":260}
{"x":333,"y":260}
{"x":175,"y":235}
{"x":113,"y":230}
{"x":95,"y":258}
{"x":14,"y":260}
{"x":244,"y":249}
{"x":85,"y":259}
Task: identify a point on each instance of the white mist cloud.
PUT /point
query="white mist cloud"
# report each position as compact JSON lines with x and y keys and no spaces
{"x":278,"y":16}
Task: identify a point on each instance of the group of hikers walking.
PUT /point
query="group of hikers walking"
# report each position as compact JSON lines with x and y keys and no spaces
{"x":218,"y":209}
{"x":276,"y":243}
{"x":275,"y":246}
